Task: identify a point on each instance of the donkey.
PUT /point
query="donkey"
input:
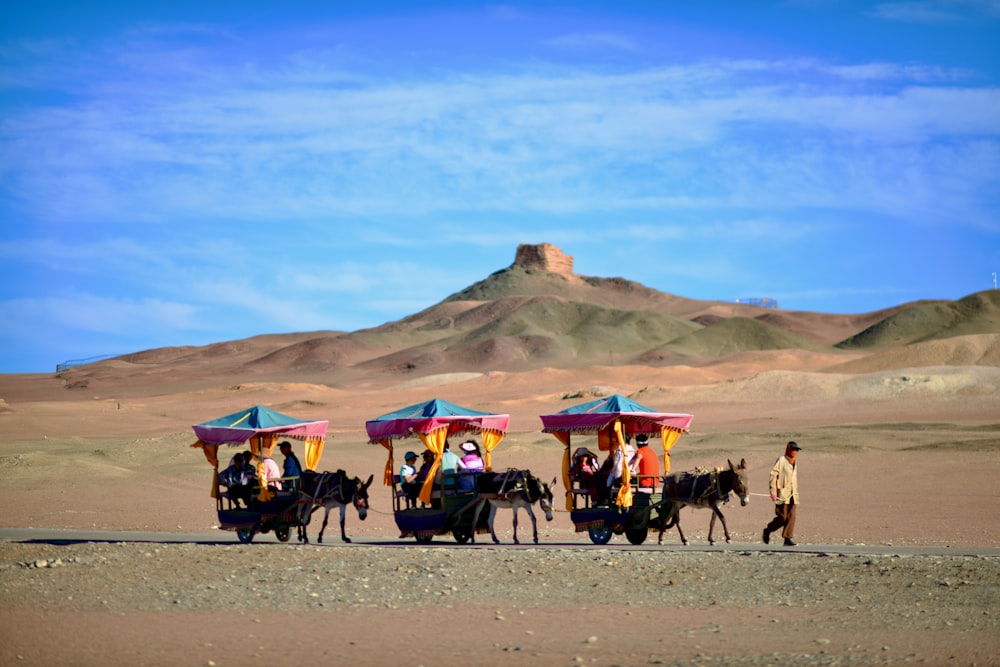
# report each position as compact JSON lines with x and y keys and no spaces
{"x":701,"y":489}
{"x":329,"y":490}
{"x":513,"y":489}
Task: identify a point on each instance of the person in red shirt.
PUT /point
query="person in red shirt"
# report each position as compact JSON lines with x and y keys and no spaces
{"x":645,"y":464}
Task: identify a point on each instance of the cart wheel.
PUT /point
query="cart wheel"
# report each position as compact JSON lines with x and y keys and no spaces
{"x":245,"y":535}
{"x":462,"y":535}
{"x":424,"y":539}
{"x":600,"y":535}
{"x":282,"y":532}
{"x":636,"y":535}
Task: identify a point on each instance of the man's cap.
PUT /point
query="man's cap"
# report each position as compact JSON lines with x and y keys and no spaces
{"x":409,"y":455}
{"x":794,"y":446}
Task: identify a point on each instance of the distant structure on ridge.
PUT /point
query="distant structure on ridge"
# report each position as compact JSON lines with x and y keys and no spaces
{"x":545,"y":256}
{"x":759,"y":301}
{"x":66,"y":365}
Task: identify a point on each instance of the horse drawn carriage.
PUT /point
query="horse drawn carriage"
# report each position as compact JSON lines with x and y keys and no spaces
{"x":446,"y":502}
{"x":259,"y":429}
{"x":629,"y":504}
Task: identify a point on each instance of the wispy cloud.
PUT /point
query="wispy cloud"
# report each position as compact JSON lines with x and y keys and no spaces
{"x":292,"y":143}
{"x":937,"y":11}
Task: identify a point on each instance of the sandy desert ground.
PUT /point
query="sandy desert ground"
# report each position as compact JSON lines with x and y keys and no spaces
{"x":902,"y":458}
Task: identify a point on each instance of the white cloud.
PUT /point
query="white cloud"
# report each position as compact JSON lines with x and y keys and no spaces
{"x":936,"y":11}
{"x":285,"y":144}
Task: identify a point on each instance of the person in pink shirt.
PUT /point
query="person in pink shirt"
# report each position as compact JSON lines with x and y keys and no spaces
{"x":272,"y":473}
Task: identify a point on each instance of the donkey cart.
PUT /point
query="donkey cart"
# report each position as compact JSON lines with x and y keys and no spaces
{"x":258,"y":429}
{"x":628,"y":503}
{"x":447,"y":500}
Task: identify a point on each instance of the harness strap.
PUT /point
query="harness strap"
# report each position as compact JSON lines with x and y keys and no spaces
{"x":324,"y":477}
{"x":503,"y":485}
{"x":512,"y":475}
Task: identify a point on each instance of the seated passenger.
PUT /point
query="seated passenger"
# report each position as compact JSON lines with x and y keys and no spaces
{"x":425,"y":468}
{"x":473,"y":463}
{"x":238,"y":479}
{"x":292,"y":466}
{"x":645,"y":464}
{"x":611,"y":473}
{"x":272,"y":475}
{"x":584,"y":471}
{"x":451,"y":465}
{"x":408,"y":479}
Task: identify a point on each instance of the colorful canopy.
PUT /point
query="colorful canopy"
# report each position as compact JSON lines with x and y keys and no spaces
{"x":614,"y":419}
{"x":237,"y":428}
{"x":259,"y":428}
{"x":424,"y":418}
{"x":594,"y":416}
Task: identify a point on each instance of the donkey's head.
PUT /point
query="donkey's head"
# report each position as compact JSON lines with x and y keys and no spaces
{"x":537,"y":490}
{"x":360,"y":496}
{"x":741,"y":481}
{"x":545,"y":499}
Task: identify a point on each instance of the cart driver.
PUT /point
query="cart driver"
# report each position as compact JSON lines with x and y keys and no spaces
{"x":645,"y":464}
{"x":292,"y":467}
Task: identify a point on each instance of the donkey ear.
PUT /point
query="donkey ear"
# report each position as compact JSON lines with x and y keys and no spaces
{"x":743,"y":463}
{"x":731,"y":466}
{"x":553,"y":484}
{"x":370,"y":478}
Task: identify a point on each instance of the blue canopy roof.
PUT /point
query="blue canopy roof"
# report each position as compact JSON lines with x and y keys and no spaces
{"x":435,"y":407}
{"x":608,"y":404}
{"x":241,"y":426}
{"x":432,"y":415}
{"x":593,"y":416}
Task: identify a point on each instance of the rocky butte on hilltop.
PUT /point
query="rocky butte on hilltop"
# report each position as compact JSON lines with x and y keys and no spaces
{"x":545,"y":256}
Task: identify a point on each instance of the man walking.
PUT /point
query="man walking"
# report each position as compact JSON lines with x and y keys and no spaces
{"x":784,"y":486}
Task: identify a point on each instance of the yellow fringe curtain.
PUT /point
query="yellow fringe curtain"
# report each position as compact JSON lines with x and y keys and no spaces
{"x":264,"y":448}
{"x":433,"y":441}
{"x":314,"y":450}
{"x":564,"y":438}
{"x":490,"y":440}
{"x":670,"y":437}
{"x":211,"y":453}
{"x":389,"y":466}
{"x":624,"y":498}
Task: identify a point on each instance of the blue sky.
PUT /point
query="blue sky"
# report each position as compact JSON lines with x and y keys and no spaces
{"x":184,"y":173}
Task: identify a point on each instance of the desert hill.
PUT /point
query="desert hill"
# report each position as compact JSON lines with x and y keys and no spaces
{"x":538,"y":313}
{"x":975,"y":314}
